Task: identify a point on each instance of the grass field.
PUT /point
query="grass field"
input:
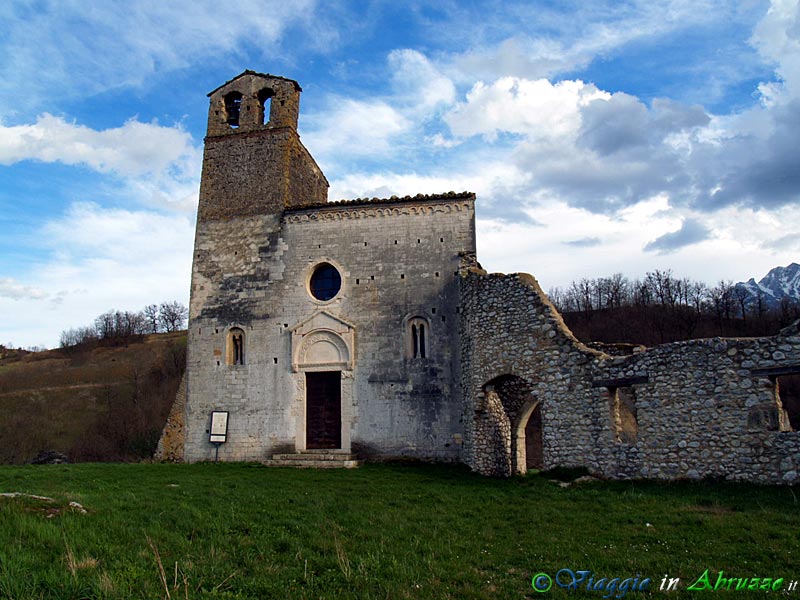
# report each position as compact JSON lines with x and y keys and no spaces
{"x":381,"y":531}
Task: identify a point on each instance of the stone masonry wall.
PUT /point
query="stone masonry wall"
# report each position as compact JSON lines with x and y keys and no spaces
{"x":703,"y":408}
{"x":256,"y":173}
{"x":398,"y":259}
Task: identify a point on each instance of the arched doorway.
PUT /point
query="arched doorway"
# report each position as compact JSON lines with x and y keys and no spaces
{"x":530,"y":451}
{"x":512,"y":425}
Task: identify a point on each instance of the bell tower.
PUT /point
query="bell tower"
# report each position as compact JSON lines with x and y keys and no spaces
{"x":254,"y":162}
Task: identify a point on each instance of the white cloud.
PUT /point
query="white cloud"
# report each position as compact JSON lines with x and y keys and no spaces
{"x":101,"y":259}
{"x":735,"y":251}
{"x":354,"y":128}
{"x":418,"y":83}
{"x":537,"y":109}
{"x":777,"y":38}
{"x":78,"y":48}
{"x":133,"y":149}
{"x":555,"y":41}
{"x":157,"y":165}
{"x":10,"y":288}
{"x":477,"y":175}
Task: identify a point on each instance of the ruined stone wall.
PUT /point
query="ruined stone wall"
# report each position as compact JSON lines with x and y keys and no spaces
{"x":690,"y":409}
{"x":171,"y":443}
{"x":509,"y":328}
{"x":707,"y":408}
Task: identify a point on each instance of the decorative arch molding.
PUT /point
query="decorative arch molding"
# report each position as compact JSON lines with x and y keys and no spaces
{"x":323,"y":342}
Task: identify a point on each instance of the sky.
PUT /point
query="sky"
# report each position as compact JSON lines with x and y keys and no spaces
{"x":600,"y":137}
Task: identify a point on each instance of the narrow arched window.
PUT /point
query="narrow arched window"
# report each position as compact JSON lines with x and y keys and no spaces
{"x":233,"y":107}
{"x":264,"y":105}
{"x":417,"y":338}
{"x":235,"y":347}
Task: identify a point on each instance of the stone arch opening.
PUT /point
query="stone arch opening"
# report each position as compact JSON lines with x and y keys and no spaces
{"x":624,"y":414}
{"x":530,"y":443}
{"x":233,"y":108}
{"x":265,"y":96}
{"x":510,"y":416}
{"x":235,"y":347}
{"x":418,"y":335}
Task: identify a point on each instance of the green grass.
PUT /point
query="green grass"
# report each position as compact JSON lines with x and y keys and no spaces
{"x":381,"y":531}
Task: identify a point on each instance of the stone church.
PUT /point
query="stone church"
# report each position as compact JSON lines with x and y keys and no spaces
{"x":328,"y":332}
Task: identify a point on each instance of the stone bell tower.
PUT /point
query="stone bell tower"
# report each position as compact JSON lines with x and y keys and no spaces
{"x":254,"y":162}
{"x":254,"y":169}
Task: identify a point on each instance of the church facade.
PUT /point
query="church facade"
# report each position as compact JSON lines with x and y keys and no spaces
{"x":366,"y":328}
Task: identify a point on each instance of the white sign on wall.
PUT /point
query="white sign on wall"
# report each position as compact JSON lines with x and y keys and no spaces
{"x":219,"y":427}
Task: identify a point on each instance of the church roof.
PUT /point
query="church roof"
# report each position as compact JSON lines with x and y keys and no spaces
{"x":265,"y":75}
{"x":391,"y":200}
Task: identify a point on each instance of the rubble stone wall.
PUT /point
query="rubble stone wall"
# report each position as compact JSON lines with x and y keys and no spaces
{"x":702,"y":408}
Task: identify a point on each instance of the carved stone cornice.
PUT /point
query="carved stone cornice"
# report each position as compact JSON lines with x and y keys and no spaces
{"x":348,"y":212}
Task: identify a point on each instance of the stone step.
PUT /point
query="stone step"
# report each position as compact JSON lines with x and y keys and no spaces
{"x":315,"y":456}
{"x":310,"y":463}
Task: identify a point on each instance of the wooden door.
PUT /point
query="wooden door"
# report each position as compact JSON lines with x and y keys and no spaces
{"x":323,"y":410}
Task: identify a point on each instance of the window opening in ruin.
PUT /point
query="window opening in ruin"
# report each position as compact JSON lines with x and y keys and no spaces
{"x":234,"y":354}
{"x":786,"y":392}
{"x":233,"y":106}
{"x":625,"y":424}
{"x":265,"y":105}
{"x":418,"y":330}
{"x":325,"y":282}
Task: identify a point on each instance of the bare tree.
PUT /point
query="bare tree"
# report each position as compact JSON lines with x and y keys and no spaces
{"x":617,"y":286}
{"x":741,"y":294}
{"x":150,"y":314}
{"x":105,"y":325}
{"x":172,"y":315}
{"x":721,"y":300}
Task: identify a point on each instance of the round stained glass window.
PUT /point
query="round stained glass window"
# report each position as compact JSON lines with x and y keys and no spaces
{"x":325,"y":282}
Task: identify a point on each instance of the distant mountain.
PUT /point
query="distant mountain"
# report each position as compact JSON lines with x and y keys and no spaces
{"x":779,"y":283}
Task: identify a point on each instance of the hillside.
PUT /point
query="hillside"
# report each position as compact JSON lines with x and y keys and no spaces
{"x":92,"y":401}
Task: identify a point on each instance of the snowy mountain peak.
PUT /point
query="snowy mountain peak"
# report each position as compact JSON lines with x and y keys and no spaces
{"x":780,"y":282}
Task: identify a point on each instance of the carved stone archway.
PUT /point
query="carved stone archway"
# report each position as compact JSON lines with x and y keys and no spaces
{"x":323,"y":343}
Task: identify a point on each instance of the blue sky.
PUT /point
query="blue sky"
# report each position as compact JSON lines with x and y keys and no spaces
{"x":600,"y":137}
